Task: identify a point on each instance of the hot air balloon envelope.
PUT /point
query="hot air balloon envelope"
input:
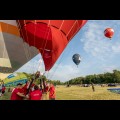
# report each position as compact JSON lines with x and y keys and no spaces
{"x":76,"y":59}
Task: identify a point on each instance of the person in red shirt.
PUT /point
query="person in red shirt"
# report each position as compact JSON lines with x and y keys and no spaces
{"x":51,"y":92}
{"x":25,"y":87}
{"x":36,"y":94}
{"x":3,"y":90}
{"x":17,"y":93}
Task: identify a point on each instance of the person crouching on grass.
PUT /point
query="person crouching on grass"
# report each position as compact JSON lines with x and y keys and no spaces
{"x":51,"y":92}
{"x":16,"y":93}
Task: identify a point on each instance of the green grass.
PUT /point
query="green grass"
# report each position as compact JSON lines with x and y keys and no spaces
{"x":80,"y":93}
{"x":85,"y":93}
{"x":6,"y":96}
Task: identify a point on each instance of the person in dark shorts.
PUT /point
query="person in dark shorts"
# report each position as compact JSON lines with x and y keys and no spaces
{"x":93,"y":88}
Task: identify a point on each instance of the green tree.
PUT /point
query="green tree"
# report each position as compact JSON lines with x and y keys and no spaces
{"x":116,"y":76}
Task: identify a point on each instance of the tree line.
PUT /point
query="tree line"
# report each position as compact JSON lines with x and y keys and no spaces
{"x":104,"y":78}
{"x":107,"y":77}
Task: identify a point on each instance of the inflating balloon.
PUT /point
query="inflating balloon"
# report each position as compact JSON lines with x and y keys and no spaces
{"x":76,"y":59}
{"x":50,"y":37}
{"x":109,"y":32}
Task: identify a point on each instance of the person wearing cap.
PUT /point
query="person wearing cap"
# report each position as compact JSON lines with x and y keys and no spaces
{"x":51,"y":92}
{"x":36,"y":94}
{"x":17,"y":93}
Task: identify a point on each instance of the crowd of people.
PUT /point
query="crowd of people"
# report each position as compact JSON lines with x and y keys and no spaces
{"x":33,"y":91}
{"x":2,"y":88}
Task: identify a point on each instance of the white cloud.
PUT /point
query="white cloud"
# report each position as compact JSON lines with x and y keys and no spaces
{"x":63,"y":73}
{"x":96,"y":44}
{"x":109,"y":68}
{"x":99,"y":51}
{"x":116,"y":47}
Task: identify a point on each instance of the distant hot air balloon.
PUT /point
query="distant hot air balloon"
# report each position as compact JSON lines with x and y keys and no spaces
{"x":49,"y":36}
{"x":109,"y":32}
{"x":76,"y":59}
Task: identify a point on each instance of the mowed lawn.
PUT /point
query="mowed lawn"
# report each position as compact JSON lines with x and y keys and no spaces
{"x":85,"y":93}
{"x":80,"y":93}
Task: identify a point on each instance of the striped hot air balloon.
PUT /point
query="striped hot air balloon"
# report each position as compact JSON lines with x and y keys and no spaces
{"x":13,"y":51}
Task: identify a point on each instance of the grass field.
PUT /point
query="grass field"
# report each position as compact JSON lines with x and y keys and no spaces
{"x":80,"y":93}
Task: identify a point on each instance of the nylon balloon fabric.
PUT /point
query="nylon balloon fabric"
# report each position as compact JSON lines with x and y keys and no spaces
{"x":76,"y":59}
{"x":50,"y":37}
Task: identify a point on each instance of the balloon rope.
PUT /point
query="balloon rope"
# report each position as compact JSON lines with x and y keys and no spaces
{"x":34,"y":48}
{"x":61,"y":24}
{"x":29,"y":48}
{"x":67,"y":35}
{"x":71,"y":28}
{"x":24,"y":44}
{"x":47,"y":33}
{"x":59,"y":29}
{"x":25,"y":48}
{"x":38,"y":50}
{"x":61,"y":59}
{"x":75,"y":32}
{"x":34,"y":39}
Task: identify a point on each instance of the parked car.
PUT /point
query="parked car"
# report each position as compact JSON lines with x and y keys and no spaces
{"x":112,"y":85}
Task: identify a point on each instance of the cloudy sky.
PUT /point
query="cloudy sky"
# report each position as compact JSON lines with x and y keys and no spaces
{"x":98,"y":53}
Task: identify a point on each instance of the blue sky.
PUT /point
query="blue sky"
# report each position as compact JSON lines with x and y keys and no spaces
{"x":98,"y":53}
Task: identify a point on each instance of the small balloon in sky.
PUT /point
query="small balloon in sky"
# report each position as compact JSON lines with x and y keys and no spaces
{"x":109,"y":32}
{"x":76,"y":59}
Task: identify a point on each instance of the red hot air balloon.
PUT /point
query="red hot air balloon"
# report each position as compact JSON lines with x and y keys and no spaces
{"x":49,"y":36}
{"x":109,"y":32}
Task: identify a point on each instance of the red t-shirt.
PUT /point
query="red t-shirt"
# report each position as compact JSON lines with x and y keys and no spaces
{"x":35,"y":95}
{"x":46,"y":89}
{"x":25,"y":88}
{"x":14,"y":95}
{"x":52,"y":92}
{"x":3,"y":88}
